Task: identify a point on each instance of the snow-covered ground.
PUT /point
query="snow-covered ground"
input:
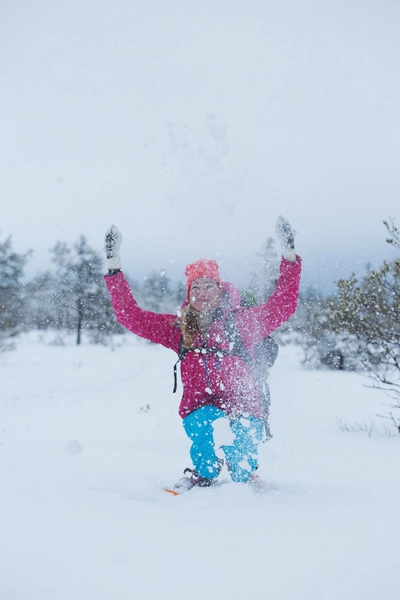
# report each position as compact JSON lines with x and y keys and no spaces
{"x":89,"y":437}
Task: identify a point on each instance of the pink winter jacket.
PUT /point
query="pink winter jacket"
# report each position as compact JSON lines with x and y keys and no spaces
{"x":226,"y":382}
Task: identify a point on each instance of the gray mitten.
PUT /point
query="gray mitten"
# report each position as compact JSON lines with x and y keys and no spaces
{"x":112,"y":243}
{"x":285,"y":235}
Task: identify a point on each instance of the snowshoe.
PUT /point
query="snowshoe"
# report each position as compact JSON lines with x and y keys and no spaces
{"x":258,"y":485}
{"x":187,"y":483}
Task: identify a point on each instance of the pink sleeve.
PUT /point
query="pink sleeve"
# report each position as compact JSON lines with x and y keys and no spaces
{"x":256,"y":323}
{"x":157,"y":328}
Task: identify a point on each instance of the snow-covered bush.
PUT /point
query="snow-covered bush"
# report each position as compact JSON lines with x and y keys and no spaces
{"x":369,"y":310}
{"x":312,"y":329}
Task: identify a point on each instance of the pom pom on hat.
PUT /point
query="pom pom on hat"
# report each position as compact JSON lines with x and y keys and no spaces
{"x":202,"y":268}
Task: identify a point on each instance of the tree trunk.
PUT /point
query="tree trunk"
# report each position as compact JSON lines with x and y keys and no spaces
{"x":80,"y":321}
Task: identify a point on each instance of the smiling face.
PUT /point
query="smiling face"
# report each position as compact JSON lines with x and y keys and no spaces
{"x":204,"y":294}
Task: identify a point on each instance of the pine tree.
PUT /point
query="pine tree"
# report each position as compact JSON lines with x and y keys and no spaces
{"x":157,"y":293}
{"x":11,"y":291}
{"x":264,"y":279}
{"x":80,"y":295}
{"x":42,"y":306}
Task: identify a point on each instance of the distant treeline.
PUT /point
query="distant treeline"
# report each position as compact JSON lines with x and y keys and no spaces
{"x":72,"y":296}
{"x":355,"y":328}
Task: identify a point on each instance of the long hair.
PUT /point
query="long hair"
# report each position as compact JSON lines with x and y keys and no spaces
{"x":191,"y":321}
{"x":187,"y":323}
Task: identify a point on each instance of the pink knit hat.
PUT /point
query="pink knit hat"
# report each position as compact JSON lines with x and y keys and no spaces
{"x":201,"y":268}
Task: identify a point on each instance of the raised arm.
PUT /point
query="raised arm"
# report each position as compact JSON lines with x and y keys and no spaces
{"x":157,"y":328}
{"x":256,"y":323}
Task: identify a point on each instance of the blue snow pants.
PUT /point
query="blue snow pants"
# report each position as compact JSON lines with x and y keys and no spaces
{"x":241,"y":457}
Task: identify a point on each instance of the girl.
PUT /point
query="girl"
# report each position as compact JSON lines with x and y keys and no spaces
{"x":218,"y":382}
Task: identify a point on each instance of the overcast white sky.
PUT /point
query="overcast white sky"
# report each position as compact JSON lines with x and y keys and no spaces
{"x":192,"y":125}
